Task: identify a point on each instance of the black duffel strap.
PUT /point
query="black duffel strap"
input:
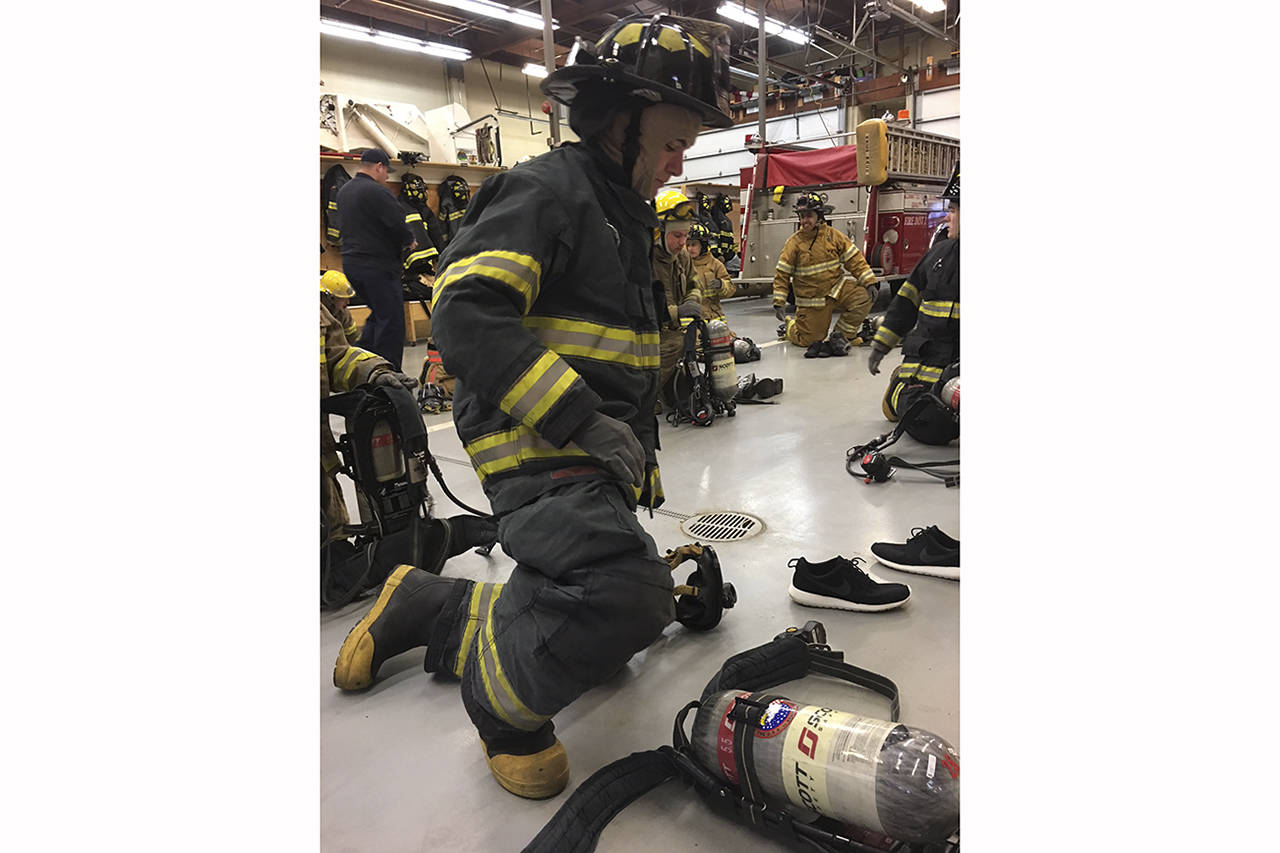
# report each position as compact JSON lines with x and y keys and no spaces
{"x":788,"y":658}
{"x":783,"y":659}
{"x":577,"y":825}
{"x":827,"y":664}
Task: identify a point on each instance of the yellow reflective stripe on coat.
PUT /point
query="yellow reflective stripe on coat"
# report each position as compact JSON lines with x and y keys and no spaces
{"x":848,"y":253}
{"x":502,"y":698}
{"x":347,"y":364}
{"x":323,"y":358}
{"x":811,"y":301}
{"x":521,"y":273}
{"x":420,"y":256}
{"x":784,"y":267}
{"x":333,"y":205}
{"x":539,"y":388}
{"x":817,"y":268}
{"x":413,"y":217}
{"x":940,"y":308}
{"x":929,"y":374}
{"x":333,"y":233}
{"x":591,"y":340}
{"x":887,"y":336}
{"x":457,"y":214}
{"x":483,"y":596}
{"x":502,"y":451}
{"x":908,"y":291}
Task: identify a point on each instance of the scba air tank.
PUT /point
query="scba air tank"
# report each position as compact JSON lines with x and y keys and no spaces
{"x":950,"y":393}
{"x":724,"y":371}
{"x":894,"y":779}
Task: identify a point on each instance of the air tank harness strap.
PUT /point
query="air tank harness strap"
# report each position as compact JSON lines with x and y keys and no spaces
{"x":796,"y":652}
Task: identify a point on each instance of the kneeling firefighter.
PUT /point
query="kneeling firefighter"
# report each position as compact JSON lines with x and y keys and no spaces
{"x":386,"y":538}
{"x":545,"y":309}
{"x":815,"y":260}
{"x":929,"y":301}
{"x":673,"y":272}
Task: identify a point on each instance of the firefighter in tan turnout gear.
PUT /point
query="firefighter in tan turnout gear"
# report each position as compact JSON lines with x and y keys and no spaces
{"x":673,"y":267}
{"x":815,"y":261}
{"x":547,"y":311}
{"x":713,"y":278}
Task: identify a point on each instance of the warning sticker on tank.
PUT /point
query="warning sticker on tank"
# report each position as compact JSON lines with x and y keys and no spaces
{"x":829,"y":761}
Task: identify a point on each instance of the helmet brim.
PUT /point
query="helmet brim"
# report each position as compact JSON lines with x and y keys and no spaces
{"x":562,"y":85}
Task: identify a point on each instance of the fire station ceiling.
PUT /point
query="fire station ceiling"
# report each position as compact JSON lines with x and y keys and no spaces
{"x":830,"y":24}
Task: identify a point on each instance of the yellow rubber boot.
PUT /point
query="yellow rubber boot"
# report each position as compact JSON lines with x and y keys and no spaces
{"x":401,"y":619}
{"x":535,"y":777}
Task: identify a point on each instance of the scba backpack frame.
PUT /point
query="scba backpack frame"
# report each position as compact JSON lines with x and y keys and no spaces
{"x":693,"y":398}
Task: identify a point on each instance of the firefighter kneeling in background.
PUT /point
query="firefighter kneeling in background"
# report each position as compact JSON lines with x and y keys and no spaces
{"x":673,"y":267}
{"x":929,"y":302}
{"x":814,"y":261}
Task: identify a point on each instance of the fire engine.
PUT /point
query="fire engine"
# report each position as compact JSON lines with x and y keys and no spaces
{"x":885,"y":197}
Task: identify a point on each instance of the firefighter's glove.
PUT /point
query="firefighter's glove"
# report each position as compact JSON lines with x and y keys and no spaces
{"x":612,"y":442}
{"x":690,"y":309}
{"x":878,"y":351}
{"x":674,"y":313}
{"x":391,"y":378}
{"x":780,"y":311}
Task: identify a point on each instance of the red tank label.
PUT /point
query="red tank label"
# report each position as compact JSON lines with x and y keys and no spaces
{"x":384,"y":440}
{"x":724,"y":746}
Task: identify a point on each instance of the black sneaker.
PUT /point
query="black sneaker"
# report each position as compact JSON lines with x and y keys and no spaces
{"x":929,"y":551}
{"x":844,"y":585}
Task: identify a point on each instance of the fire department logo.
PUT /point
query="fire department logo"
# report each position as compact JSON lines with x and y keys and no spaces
{"x":776,"y":718}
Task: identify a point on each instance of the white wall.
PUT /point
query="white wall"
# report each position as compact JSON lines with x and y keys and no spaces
{"x":383,"y":74}
{"x":518,"y":138}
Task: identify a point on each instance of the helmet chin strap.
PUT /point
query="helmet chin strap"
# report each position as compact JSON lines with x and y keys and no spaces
{"x":636,"y":138}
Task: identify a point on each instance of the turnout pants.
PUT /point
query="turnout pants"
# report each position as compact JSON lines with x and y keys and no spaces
{"x":588,"y":591}
{"x":813,"y":320}
{"x":381,"y":291}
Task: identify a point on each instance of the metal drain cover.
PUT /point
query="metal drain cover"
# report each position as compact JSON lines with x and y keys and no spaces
{"x":724,"y":526}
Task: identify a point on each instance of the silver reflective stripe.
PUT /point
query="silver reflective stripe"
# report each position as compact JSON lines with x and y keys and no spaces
{"x":602,"y":343}
{"x":816,"y":302}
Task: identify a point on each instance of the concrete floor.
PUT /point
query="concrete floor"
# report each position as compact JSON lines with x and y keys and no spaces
{"x":401,"y":766}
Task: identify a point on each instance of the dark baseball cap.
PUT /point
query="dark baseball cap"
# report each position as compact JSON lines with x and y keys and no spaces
{"x":375,"y":155}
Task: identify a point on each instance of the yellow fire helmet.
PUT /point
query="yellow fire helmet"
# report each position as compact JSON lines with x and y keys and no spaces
{"x":673,"y":205}
{"x":335,"y":284}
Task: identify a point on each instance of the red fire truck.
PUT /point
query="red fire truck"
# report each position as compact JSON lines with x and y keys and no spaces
{"x":891,"y":210}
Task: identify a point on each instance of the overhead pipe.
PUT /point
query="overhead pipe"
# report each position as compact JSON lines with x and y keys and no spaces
{"x":919,"y":24}
{"x":549,"y":63}
{"x":763,"y":72}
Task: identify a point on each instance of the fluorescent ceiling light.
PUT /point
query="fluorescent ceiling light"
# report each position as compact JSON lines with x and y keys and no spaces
{"x":742,"y":15}
{"x":930,"y":5}
{"x":489,"y":9}
{"x":533,"y":69}
{"x":358,"y":33}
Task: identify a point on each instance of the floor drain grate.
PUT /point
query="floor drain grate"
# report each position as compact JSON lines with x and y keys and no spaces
{"x":722,"y":526}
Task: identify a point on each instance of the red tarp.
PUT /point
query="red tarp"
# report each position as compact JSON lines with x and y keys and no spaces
{"x":802,"y":168}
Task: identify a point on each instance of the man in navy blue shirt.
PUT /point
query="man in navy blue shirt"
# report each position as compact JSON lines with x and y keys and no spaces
{"x":374,"y":238}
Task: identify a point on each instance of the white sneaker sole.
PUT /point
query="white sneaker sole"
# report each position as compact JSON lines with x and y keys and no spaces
{"x":948,"y":572}
{"x":811,"y":599}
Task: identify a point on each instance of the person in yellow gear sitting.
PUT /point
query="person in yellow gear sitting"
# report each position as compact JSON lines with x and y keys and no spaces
{"x":674,"y":268}
{"x":713,"y":278}
{"x":335,"y":293}
{"x":815,"y":261}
